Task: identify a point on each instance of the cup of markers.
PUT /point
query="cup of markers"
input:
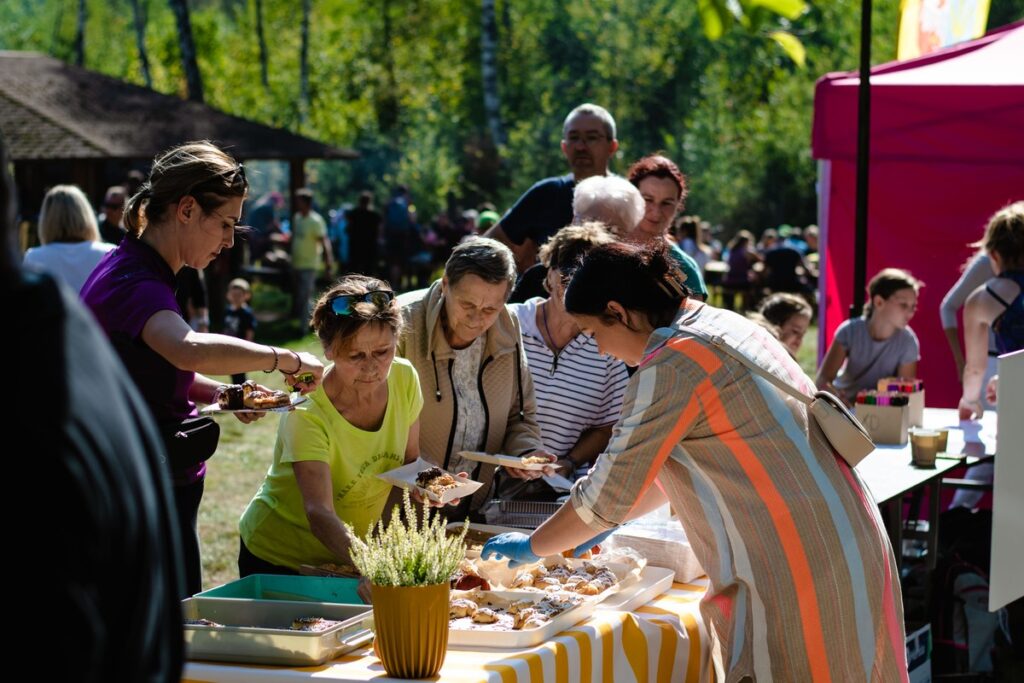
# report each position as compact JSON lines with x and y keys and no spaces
{"x":873,"y":397}
{"x":900,"y":385}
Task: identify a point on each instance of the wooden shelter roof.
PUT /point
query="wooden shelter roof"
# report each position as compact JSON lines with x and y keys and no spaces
{"x":52,"y":110}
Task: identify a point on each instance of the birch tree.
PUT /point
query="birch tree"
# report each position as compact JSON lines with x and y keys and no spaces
{"x":262,"y":41}
{"x":387,"y":97}
{"x":489,"y":71}
{"x":139,"y":17}
{"x":80,"y":34}
{"x":304,"y":63}
{"x":187,"y":46}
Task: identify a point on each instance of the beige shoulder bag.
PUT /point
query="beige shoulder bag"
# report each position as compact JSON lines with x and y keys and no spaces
{"x":841,"y":427}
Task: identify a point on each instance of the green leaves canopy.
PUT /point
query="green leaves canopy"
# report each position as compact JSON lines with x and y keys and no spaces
{"x":735,"y":113}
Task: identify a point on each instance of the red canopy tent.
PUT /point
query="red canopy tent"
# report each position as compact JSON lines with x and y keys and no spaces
{"x":947,"y":151}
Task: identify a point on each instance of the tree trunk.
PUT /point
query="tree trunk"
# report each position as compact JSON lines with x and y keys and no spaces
{"x":56,"y":42}
{"x":140,"y":41}
{"x":506,"y":18}
{"x":489,"y":71}
{"x":304,"y":63}
{"x":387,"y":98}
{"x":261,"y":39}
{"x":80,"y":35}
{"x":188,"y":50}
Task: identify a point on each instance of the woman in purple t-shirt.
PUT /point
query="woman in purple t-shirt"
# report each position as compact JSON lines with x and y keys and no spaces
{"x":183,"y":216}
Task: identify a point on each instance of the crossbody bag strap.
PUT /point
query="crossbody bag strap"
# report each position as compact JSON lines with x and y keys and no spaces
{"x":719,"y":343}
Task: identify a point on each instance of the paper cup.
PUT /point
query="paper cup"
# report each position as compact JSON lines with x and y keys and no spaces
{"x":943,"y":440}
{"x":923,"y":447}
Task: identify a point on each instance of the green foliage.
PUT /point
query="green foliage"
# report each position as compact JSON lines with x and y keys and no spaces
{"x":716,"y":17}
{"x":792,"y":46}
{"x":400,"y":81}
{"x":790,"y":9}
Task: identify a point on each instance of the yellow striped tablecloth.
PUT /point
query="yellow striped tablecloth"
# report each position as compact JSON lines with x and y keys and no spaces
{"x":663,"y":641}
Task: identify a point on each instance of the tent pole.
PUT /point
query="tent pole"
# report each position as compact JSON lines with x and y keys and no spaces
{"x":860,"y":250}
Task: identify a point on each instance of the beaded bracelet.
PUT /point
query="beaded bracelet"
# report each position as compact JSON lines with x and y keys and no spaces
{"x":297,"y":360}
{"x":275,"y":361}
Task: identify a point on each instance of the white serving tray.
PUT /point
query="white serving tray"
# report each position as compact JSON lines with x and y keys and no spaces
{"x":405,"y":476}
{"x":524,"y":637}
{"x":653,"y":582}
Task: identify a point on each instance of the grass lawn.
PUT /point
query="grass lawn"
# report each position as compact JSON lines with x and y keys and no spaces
{"x":233,"y":476}
{"x":246,"y":451}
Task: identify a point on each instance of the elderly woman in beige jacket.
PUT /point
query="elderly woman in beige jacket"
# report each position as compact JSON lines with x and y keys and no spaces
{"x":467,"y":349}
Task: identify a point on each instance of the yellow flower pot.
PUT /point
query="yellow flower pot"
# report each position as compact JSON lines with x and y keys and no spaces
{"x":412,"y":628}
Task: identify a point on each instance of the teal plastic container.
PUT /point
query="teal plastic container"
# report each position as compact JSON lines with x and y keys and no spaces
{"x":296,"y":588}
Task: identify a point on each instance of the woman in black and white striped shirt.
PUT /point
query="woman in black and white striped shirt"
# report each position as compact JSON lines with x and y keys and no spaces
{"x":579,"y":391}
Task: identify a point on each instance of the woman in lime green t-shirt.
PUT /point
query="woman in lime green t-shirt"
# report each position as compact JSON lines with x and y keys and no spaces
{"x":362,"y":420}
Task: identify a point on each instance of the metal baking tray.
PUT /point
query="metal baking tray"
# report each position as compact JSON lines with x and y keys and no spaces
{"x":292,"y":588}
{"x":256,"y":631}
{"x":521,"y":514}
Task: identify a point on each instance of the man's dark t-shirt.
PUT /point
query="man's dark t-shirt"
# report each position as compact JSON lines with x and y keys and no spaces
{"x":781,"y":264}
{"x":542,"y":211}
{"x":363,"y":232}
{"x":110,"y":232}
{"x":530,"y":284}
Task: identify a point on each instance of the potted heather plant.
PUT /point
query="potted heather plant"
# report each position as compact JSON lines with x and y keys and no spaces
{"x":409,"y":564}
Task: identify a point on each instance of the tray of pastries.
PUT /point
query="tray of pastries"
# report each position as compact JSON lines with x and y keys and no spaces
{"x":483,"y":618}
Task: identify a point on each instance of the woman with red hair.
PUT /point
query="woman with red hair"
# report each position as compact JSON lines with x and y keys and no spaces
{"x":663,"y":188}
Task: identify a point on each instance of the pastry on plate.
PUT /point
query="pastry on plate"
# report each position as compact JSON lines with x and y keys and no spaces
{"x":436,"y":481}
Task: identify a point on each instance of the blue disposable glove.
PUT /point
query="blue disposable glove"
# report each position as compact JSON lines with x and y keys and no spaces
{"x":587,"y":545}
{"x":514,"y":545}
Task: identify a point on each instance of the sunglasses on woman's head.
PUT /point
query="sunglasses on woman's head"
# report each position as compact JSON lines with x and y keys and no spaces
{"x":343,"y":303}
{"x":238,"y":175}
{"x":233,"y":176}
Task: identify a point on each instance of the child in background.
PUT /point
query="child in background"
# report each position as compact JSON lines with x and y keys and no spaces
{"x":879,"y":344}
{"x":791,"y":315}
{"x":239,"y":320}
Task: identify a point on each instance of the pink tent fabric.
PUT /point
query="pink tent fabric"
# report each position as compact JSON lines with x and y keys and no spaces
{"x":947,"y":151}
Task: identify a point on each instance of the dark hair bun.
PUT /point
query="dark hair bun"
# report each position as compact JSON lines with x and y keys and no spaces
{"x":640,"y":278}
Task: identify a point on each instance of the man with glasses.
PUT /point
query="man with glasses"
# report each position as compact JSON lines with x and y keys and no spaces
{"x":110,"y":220}
{"x":588,"y":142}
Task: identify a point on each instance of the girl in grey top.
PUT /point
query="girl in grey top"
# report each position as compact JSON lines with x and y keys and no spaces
{"x":880,"y":344}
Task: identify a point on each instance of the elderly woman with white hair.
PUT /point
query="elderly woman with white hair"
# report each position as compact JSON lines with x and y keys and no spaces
{"x":70,"y":238}
{"x":620,"y":206}
{"x":611,"y":200}
{"x":630,"y":215}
